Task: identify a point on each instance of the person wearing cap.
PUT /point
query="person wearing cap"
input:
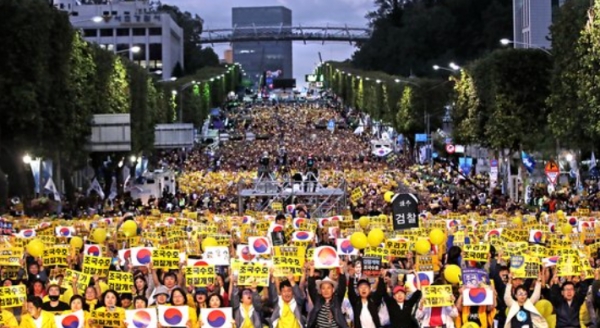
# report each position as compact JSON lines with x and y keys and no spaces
{"x":327,"y":296}
{"x":287,"y":304}
{"x":366,"y":304}
{"x":161,"y":296}
{"x":401,"y":310}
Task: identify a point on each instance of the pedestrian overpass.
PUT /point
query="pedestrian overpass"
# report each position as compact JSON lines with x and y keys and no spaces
{"x":282,"y":32}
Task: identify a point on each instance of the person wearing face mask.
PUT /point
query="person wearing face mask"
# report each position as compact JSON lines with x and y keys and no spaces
{"x":54,"y":305}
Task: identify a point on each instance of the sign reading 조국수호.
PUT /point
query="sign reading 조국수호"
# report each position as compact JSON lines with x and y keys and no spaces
{"x":13,"y":296}
{"x":200,"y":276}
{"x":121,"y":282}
{"x":405,"y":209}
{"x":437,"y":296}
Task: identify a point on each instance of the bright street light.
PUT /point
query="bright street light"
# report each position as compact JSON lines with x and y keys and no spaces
{"x":453,"y":68}
{"x":174,"y":92}
{"x":27,"y":159}
{"x":506,"y":42}
{"x":133,"y":159}
{"x":134,"y":49}
{"x":378,"y":81}
{"x":97,"y":19}
{"x":569,"y":157}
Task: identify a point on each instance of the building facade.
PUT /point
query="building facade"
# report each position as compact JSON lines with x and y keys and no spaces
{"x":259,"y":57}
{"x":531,"y":22}
{"x":128,"y":24}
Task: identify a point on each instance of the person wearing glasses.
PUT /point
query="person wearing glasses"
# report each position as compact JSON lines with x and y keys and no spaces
{"x":522,"y":313}
{"x":567,"y":301}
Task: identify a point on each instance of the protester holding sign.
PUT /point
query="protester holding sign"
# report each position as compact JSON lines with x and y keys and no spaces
{"x":246,"y":305}
{"x":522,"y":313}
{"x":366,"y":304}
{"x":567,"y":301}
{"x":287,"y":302}
{"x":327,"y":296}
{"x":438,"y":316}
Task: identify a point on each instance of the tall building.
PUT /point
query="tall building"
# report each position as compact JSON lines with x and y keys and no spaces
{"x":228,"y":56}
{"x":121,"y":26}
{"x":258,"y":57}
{"x":531,"y":22}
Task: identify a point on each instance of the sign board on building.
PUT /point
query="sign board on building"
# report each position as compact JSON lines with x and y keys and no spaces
{"x":110,"y":132}
{"x":552,"y":171}
{"x":169,"y":136}
{"x":405,"y":210}
{"x":420,"y":137}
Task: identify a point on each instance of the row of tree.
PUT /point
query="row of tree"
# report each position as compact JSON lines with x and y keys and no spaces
{"x":52,"y":82}
{"x":518,"y":99}
{"x":405,"y":103}
{"x":410,"y":36}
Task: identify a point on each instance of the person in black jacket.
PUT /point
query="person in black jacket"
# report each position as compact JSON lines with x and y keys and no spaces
{"x":327,"y":296}
{"x":368,"y":300}
{"x":402,"y":311}
{"x":567,"y":301}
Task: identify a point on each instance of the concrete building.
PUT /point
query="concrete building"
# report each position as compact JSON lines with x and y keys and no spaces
{"x":128,"y":24}
{"x":531,"y":22}
{"x":228,"y":56}
{"x":258,"y":57}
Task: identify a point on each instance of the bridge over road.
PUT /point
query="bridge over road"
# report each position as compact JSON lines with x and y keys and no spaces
{"x":285,"y":33}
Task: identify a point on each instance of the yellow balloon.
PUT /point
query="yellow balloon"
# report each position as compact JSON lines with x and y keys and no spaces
{"x":383,"y":217}
{"x":359,"y":240}
{"x":470,"y":325}
{"x":544,"y":307}
{"x":437,"y":236}
{"x":99,"y":235}
{"x":560,"y":214}
{"x":76,"y":242}
{"x":209,"y":242}
{"x":129,"y":228}
{"x":517,"y":220}
{"x":566,"y":229}
{"x":375,"y":237}
{"x":453,"y":274}
{"x":35,"y":248}
{"x":388,"y":196}
{"x":422,"y":246}
{"x":364,"y":221}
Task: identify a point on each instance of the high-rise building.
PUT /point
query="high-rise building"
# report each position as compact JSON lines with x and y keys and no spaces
{"x":531,"y":22}
{"x":120,"y":26}
{"x":259,"y":57}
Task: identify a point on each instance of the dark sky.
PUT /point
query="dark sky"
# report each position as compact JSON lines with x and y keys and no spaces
{"x":217,"y":14}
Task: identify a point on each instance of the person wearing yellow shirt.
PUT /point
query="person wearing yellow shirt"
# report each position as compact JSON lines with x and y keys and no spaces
{"x":287,"y":303}
{"x":36,"y":317}
{"x":246,"y":306}
{"x":9,"y":320}
{"x":179,"y":298}
{"x":110,"y":299}
{"x":78,"y":304}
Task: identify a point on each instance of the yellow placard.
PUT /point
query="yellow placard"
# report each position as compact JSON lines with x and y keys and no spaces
{"x":424,"y":263}
{"x":107,"y":319}
{"x":396,"y":248}
{"x":568,"y":265}
{"x":437,"y":296}
{"x":251,"y":273}
{"x":200,"y":276}
{"x":55,"y":256}
{"x":13,"y":296}
{"x":476,"y":252}
{"x":525,"y":266}
{"x":96,"y":265}
{"x":165,"y":258}
{"x":121,"y":282}
{"x":277,"y":206}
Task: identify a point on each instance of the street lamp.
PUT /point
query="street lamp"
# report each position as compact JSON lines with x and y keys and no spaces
{"x":506,"y":42}
{"x":183,"y":88}
{"x":407,"y":82}
{"x":134,"y":49}
{"x":95,"y":19}
{"x":569,"y":157}
{"x":453,"y":68}
{"x":27,"y":159}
